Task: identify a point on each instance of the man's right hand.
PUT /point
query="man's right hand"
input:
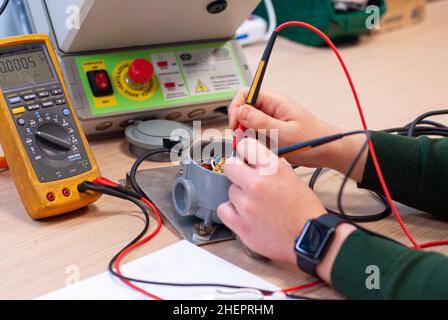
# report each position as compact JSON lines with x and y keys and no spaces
{"x":295,"y":124}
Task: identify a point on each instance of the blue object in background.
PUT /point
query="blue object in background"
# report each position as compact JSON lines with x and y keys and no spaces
{"x":14,"y":20}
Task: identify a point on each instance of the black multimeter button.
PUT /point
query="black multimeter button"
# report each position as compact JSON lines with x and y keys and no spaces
{"x":100,"y":83}
{"x":20,"y":121}
{"x":47,"y":104}
{"x":43,"y":94}
{"x":60,"y":102}
{"x":29,"y":97}
{"x":33,"y":107}
{"x":14,"y":100}
{"x":56,"y":92}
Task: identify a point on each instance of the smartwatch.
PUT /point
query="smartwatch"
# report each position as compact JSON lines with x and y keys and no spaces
{"x":314,"y":240}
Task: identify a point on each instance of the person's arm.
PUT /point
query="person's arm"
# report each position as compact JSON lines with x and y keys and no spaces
{"x":269,"y":226}
{"x":363,"y":266}
{"x":268,"y":207}
{"x":415,"y":169}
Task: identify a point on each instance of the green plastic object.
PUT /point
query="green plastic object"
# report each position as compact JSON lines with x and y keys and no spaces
{"x":339,"y":26}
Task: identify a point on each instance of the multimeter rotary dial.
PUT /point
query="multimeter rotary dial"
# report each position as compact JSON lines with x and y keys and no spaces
{"x":53,"y":140}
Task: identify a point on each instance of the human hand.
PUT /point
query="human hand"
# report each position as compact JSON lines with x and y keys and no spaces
{"x":295,"y":124}
{"x":268,"y":203}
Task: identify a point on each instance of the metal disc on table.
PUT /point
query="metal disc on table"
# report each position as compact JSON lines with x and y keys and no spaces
{"x":155,"y":134}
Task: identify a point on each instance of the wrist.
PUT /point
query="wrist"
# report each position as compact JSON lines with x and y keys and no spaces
{"x":326,"y":156}
{"x":344,"y":152}
{"x":319,"y":243}
{"x":325,"y":267}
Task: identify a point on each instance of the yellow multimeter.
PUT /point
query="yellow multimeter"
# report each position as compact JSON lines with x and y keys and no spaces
{"x":45,"y":148}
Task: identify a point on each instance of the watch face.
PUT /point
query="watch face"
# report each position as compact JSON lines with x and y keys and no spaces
{"x":313,"y":239}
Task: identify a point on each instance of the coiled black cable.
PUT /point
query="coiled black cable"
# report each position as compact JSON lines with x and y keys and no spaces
{"x":419,"y":127}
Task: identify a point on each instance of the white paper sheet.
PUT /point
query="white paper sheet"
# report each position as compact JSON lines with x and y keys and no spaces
{"x":181,"y":262}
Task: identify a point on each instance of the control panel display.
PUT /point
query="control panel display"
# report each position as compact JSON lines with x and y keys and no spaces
{"x":24,"y":69}
{"x":126,"y":81}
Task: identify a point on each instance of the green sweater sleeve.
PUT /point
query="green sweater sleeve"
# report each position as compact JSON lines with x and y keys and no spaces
{"x":415,"y":169}
{"x":370,"y":267}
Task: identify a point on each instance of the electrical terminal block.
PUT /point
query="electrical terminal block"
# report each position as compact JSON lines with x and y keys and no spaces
{"x":219,"y":166}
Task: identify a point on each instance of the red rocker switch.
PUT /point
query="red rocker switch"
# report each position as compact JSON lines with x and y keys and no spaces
{"x":100,"y":83}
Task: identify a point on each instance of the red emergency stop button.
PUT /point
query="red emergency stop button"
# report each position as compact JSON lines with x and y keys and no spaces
{"x":100,"y":83}
{"x":140,"y":73}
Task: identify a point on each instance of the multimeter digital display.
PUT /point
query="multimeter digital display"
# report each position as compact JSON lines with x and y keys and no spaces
{"x":24,"y":68}
{"x":44,"y":145}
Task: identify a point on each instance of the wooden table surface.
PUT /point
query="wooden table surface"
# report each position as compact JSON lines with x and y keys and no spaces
{"x":398,"y":74}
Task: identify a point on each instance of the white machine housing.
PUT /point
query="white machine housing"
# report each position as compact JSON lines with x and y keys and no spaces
{"x":80,"y":28}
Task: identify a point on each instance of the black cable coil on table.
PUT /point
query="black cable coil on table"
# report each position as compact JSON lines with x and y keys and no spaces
{"x":419,"y":127}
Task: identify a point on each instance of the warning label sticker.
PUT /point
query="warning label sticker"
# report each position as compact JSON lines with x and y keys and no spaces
{"x":210,"y":70}
{"x":201,"y":87}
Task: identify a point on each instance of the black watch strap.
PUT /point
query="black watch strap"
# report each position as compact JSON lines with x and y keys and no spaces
{"x":331,"y":220}
{"x":309,"y":265}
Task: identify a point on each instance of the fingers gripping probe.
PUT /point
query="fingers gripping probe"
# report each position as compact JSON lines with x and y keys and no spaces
{"x":361,"y":115}
{"x":256,"y":85}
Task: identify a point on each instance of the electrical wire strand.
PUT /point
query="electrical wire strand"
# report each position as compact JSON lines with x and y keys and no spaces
{"x":418,"y":127}
{"x":3,"y":7}
{"x":314,"y":143}
{"x":357,"y":219}
{"x":420,"y":118}
{"x":349,"y":174}
{"x":353,"y":218}
{"x":106,"y":189}
{"x":115,"y":262}
{"x":303,"y":286}
{"x":137,"y":164}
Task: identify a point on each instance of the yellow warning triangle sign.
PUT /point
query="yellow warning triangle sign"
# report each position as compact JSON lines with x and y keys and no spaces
{"x":201,"y":87}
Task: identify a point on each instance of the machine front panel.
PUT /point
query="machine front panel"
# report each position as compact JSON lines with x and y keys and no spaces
{"x":183,"y":75}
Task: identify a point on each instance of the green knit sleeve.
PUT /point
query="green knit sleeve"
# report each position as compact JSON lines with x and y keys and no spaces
{"x":415,"y":169}
{"x":370,"y":267}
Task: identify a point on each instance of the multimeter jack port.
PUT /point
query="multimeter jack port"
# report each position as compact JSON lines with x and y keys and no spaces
{"x":51,"y":197}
